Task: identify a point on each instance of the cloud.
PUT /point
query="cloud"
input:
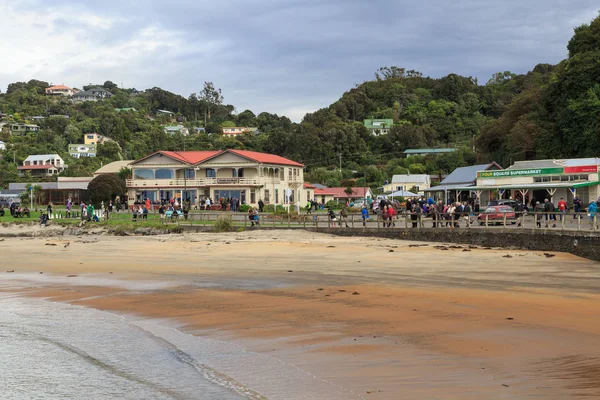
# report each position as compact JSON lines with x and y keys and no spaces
{"x":286,"y":57}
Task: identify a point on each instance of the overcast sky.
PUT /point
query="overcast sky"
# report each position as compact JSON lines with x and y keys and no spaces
{"x":282,"y":56}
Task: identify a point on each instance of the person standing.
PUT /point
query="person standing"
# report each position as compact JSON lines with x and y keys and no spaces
{"x":309,"y":207}
{"x":549,"y":210}
{"x":576,"y":206}
{"x":562,"y":209}
{"x":391,"y":216}
{"x":261,"y":206}
{"x":365,"y":215}
{"x":344,"y":216}
{"x":332,"y":218}
{"x":592,"y":212}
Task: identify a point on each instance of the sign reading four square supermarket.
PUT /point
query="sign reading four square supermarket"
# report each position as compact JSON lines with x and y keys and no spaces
{"x":507,"y":173}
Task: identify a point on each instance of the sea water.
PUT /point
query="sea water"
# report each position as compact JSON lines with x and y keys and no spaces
{"x":52,"y":350}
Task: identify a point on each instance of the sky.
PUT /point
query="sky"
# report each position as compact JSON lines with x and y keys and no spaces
{"x":288,"y":57}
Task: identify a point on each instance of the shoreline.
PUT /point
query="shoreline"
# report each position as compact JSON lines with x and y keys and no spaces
{"x":420,"y":312}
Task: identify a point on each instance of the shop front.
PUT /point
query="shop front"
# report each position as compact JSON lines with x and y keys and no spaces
{"x":530,"y":185}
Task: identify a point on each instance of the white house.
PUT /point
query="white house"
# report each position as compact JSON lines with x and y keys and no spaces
{"x":406,"y":182}
{"x":42,"y":165}
{"x":82,"y":150}
{"x":238,"y":130}
{"x":171,"y":130}
{"x":2,"y":145}
{"x":60,"y":90}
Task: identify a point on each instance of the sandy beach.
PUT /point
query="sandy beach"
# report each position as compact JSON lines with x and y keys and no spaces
{"x":373,"y":318}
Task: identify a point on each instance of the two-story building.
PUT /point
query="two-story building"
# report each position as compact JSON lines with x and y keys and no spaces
{"x":42,"y":165}
{"x":238,"y":130}
{"x":60,"y":90}
{"x":82,"y":150}
{"x":246,"y":175}
{"x":94,"y":138}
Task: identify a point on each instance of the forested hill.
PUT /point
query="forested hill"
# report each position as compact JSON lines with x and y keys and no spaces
{"x":551,"y":112}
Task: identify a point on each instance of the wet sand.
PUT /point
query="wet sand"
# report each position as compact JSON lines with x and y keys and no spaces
{"x":379,"y":318}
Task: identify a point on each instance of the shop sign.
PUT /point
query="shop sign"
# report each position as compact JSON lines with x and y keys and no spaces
{"x":507,"y":173}
{"x":577,"y":170}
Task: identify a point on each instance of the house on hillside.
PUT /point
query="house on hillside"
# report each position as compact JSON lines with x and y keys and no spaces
{"x":407,"y":182}
{"x":165,"y":112}
{"x":237,"y":131}
{"x":216,"y":174}
{"x":171,"y":130}
{"x":378,"y":126}
{"x":95,"y":138}
{"x":82,"y":150}
{"x":93,"y":94}
{"x":126,"y":109}
{"x":42,"y":165}
{"x":60,"y":90}
{"x":19,"y":129}
{"x":2,"y":145}
{"x":426,"y":152}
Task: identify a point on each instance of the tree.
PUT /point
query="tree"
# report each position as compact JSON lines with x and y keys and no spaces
{"x":211,"y":98}
{"x":348,"y":191}
{"x":125,"y":173}
{"x":110,"y":150}
{"x":105,"y":188}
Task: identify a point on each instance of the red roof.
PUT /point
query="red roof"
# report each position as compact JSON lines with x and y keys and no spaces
{"x":308,"y":186}
{"x":340,"y":192}
{"x":265,"y":158}
{"x":196,"y":157}
{"x":35,"y":166}
{"x":191,"y":157}
{"x":58,"y":87}
{"x":324,"y":192}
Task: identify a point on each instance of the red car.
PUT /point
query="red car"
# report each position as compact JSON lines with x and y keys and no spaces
{"x":495,"y":215}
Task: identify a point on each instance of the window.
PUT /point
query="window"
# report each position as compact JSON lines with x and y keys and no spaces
{"x":291,"y":198}
{"x":276,"y":196}
{"x":282,"y":174}
{"x":252,"y":196}
{"x":234,"y":173}
{"x":290,"y":173}
{"x":241,"y":173}
{"x":211,"y":173}
{"x":189,"y":174}
{"x":163,"y":174}
{"x":267,"y":196}
{"x":143,"y":174}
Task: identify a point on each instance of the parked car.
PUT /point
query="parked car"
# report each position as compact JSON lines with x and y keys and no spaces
{"x":504,"y":202}
{"x":495,"y":215}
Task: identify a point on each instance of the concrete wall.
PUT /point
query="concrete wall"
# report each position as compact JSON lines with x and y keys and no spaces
{"x":578,"y":243}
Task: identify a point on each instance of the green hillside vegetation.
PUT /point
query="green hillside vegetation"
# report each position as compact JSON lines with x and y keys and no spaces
{"x":552,"y":111}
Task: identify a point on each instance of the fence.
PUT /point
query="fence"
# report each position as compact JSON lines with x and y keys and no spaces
{"x":505,"y":221}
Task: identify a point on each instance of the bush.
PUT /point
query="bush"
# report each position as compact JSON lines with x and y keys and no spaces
{"x":333,"y":204}
{"x":106,"y":187}
{"x":245,"y":207}
{"x":223,"y":224}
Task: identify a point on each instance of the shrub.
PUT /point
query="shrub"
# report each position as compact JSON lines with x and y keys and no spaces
{"x":223,"y":224}
{"x":106,"y":187}
{"x":245,"y":207}
{"x":333,"y":204}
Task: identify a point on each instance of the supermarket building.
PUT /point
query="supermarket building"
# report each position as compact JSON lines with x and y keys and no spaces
{"x":531,"y":181}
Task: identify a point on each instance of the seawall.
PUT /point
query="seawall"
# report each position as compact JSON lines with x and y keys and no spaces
{"x":581,"y":244}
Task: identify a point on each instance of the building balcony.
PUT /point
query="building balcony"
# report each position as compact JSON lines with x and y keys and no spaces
{"x":165,"y":183}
